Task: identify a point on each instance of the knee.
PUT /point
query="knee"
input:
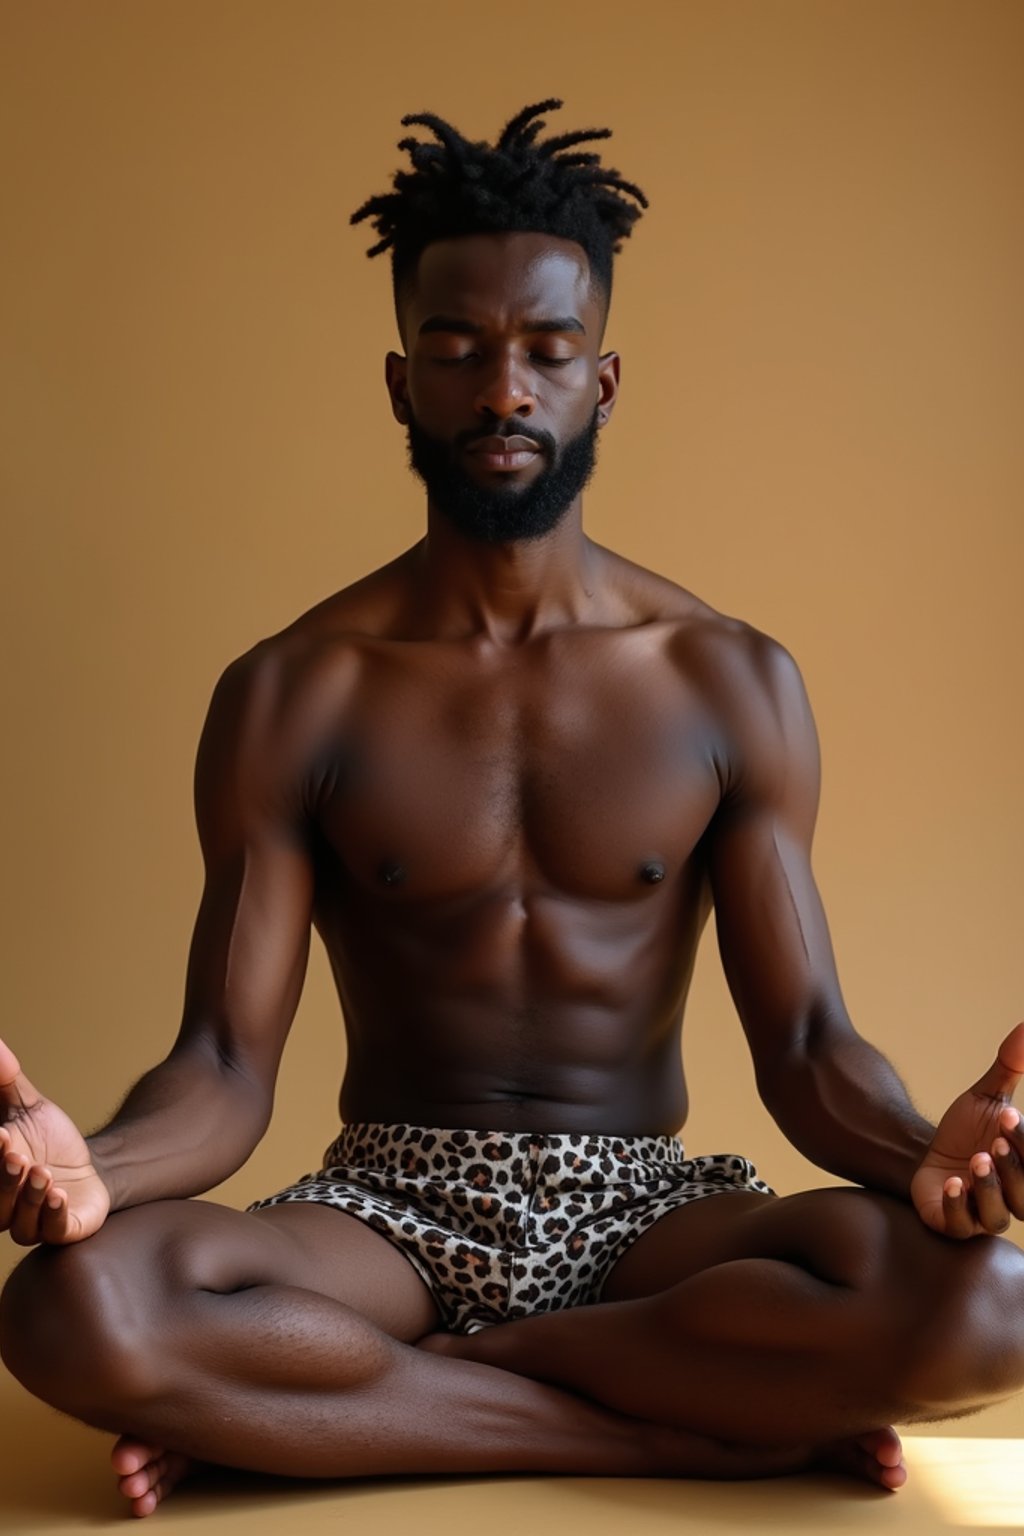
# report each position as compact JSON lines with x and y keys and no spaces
{"x":76,"y":1323}
{"x":948,"y":1314}
{"x":969,"y":1344}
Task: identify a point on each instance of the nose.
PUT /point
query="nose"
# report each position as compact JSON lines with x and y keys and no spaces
{"x":504,"y":391}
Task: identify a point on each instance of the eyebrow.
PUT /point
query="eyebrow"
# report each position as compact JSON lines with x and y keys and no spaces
{"x":531,"y":327}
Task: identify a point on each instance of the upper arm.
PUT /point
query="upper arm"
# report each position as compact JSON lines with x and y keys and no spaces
{"x":772,"y":931}
{"x":250,"y":945}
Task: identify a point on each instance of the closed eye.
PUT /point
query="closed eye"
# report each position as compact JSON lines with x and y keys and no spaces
{"x":542,"y":358}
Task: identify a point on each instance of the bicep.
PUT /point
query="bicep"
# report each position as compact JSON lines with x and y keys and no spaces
{"x":772,"y":931}
{"x":250,"y":945}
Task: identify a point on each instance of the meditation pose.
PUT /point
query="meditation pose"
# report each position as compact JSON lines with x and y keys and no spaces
{"x":507,"y":776}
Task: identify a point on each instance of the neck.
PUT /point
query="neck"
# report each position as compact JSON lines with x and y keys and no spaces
{"x":504,"y":593}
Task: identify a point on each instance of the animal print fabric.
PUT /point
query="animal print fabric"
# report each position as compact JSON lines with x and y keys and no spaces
{"x":502,"y":1225}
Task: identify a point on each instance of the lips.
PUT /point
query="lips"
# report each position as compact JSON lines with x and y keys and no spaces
{"x":503,"y":445}
{"x":503,"y":453}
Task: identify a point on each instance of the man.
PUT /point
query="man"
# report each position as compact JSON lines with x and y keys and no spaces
{"x":506,"y":776}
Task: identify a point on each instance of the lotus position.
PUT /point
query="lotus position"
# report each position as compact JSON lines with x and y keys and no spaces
{"x":507,"y":776}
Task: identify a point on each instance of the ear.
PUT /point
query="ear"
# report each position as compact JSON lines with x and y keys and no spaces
{"x":396,"y":368}
{"x":607,"y":385}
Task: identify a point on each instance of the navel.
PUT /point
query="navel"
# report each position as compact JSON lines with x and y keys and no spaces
{"x":391,"y":872}
{"x":652,"y":871}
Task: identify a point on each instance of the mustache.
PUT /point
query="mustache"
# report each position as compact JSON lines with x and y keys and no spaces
{"x":544,"y":440}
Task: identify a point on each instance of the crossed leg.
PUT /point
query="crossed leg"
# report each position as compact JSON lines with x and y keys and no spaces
{"x":282,"y":1341}
{"x":776,"y":1322}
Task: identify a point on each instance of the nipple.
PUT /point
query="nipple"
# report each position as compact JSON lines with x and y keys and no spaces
{"x":652,"y":872}
{"x":390,"y":872}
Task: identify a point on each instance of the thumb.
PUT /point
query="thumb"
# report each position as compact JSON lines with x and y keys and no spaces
{"x":15,"y":1088}
{"x":1007,"y":1070}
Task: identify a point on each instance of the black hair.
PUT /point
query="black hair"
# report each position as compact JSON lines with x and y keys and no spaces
{"x":457,"y":187}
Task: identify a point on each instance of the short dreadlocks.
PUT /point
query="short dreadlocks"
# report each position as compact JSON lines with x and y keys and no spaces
{"x":460,"y":188}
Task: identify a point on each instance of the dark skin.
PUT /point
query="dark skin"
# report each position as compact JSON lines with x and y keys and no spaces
{"x":507,"y":783}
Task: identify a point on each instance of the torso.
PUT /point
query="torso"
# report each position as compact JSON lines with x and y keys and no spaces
{"x":510,"y":866}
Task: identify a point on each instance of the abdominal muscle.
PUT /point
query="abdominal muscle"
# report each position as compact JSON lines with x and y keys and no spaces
{"x":556,"y":1031}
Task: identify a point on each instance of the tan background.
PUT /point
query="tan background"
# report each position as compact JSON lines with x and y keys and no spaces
{"x":822,"y":327}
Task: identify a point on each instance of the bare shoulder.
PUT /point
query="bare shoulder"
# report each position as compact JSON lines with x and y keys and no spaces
{"x":747,"y":671}
{"x":276,"y":708}
{"x":318,"y":649}
{"x":755,"y":692}
{"x":749,"y":682}
{"x":736,"y":663}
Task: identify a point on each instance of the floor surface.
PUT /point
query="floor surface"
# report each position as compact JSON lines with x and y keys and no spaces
{"x":55,"y":1479}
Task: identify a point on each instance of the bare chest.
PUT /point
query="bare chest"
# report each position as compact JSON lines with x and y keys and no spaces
{"x":587,"y":771}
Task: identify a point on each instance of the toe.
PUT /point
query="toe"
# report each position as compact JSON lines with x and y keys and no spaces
{"x":147,"y":1504}
{"x":130,"y":1455}
{"x":884,"y":1445}
{"x":883,"y":1458}
{"x":892,"y":1477}
{"x":135,"y":1484}
{"x":170,"y":1471}
{"x":877,"y":1457}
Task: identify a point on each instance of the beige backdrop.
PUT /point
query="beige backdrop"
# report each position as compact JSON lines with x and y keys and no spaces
{"x":821,"y":326}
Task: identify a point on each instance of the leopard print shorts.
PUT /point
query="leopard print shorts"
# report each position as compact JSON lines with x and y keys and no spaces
{"x":501,"y":1225}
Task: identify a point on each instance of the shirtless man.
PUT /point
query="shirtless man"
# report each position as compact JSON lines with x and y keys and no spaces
{"x":506,"y":776}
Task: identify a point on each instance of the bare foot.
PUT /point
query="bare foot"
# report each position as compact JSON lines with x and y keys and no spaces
{"x":876,"y":1457}
{"x":147,"y":1473}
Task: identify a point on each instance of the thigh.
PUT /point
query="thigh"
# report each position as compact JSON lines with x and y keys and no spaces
{"x":345,"y":1258}
{"x":846,"y":1236}
{"x":681,"y":1243}
{"x":155,"y":1252}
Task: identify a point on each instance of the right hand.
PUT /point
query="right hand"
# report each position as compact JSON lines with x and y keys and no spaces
{"x":40,"y":1143}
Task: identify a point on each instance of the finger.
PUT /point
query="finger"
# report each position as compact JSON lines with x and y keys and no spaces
{"x":956,"y":1214}
{"x":10,"y":1075}
{"x":9,"y":1064}
{"x":1011,"y":1124}
{"x":1010,"y":1173}
{"x":957,"y":1209}
{"x":1007,"y":1070}
{"x":15,"y":1088}
{"x":988,"y":1196}
{"x":27,"y":1210}
{"x":12,"y":1175}
{"x":53,"y":1219}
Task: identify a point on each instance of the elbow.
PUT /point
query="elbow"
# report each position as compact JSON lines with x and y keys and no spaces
{"x":248,"y":1089}
{"x":791,"y":1068}
{"x":247,"y":1095}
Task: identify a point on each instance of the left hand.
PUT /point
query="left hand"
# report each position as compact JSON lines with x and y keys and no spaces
{"x":972,"y":1177}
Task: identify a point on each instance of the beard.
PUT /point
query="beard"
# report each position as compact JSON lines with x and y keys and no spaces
{"x":505,"y":515}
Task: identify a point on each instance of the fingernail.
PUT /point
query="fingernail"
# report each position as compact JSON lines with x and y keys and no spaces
{"x":1000,"y":1147}
{"x":11,"y":1166}
{"x":954,"y":1188}
{"x":982,"y":1165}
{"x":37,"y":1180}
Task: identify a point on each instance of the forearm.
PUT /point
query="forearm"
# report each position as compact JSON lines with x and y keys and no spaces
{"x":188,"y":1124}
{"x":842,"y":1104}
